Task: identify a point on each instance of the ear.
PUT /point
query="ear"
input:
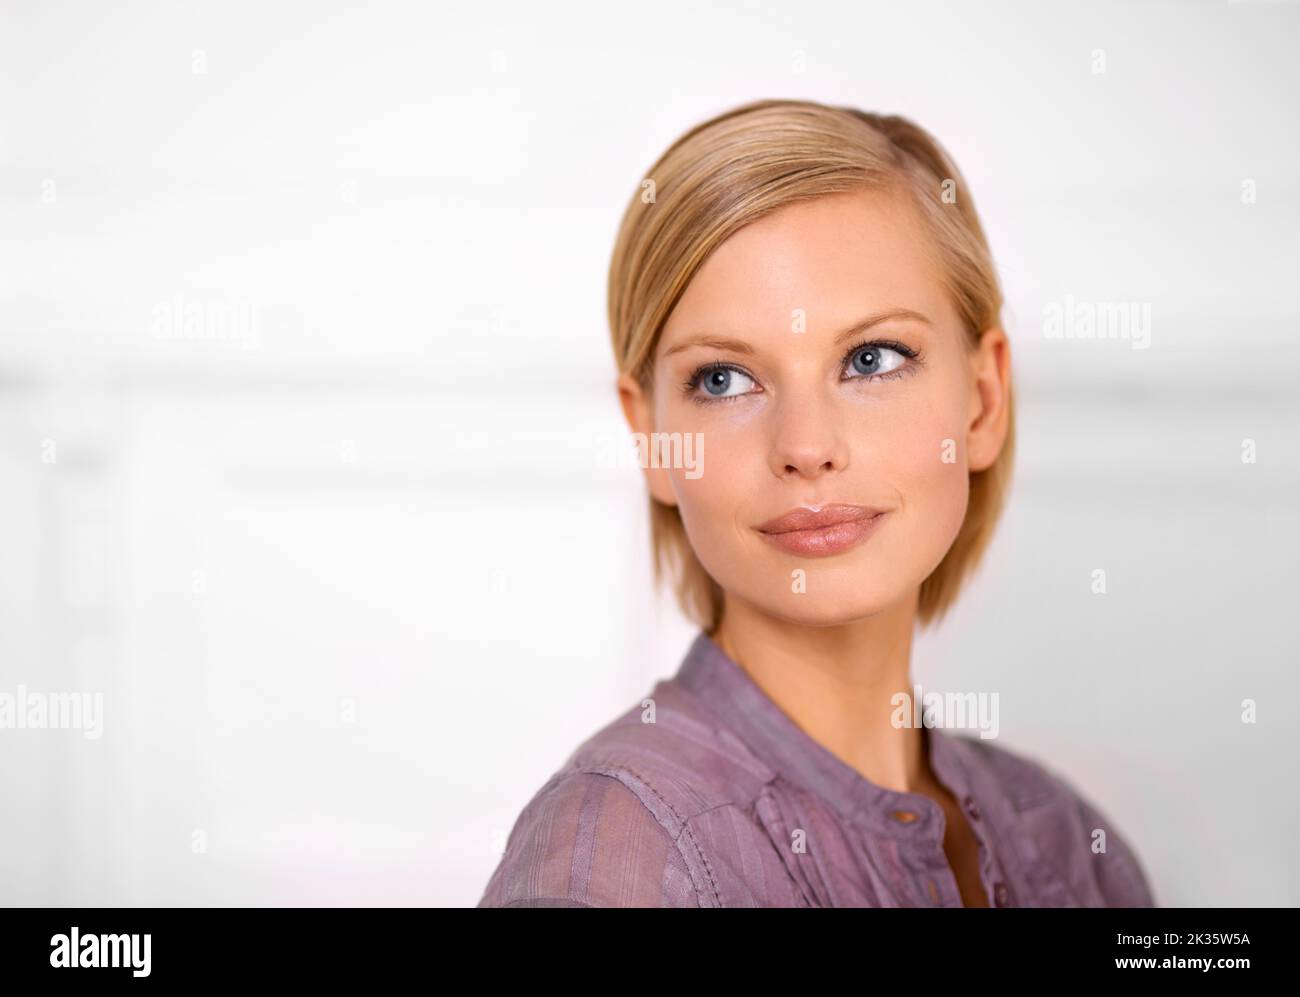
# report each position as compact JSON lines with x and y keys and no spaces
{"x":638,"y":411}
{"x":990,"y":412}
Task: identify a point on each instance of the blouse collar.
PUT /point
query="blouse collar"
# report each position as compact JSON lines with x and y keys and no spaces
{"x":781,"y":744}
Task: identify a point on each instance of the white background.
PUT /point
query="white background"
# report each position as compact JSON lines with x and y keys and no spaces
{"x":392,"y":494}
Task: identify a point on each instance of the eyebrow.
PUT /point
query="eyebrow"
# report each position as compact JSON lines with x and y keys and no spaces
{"x":856,"y":329}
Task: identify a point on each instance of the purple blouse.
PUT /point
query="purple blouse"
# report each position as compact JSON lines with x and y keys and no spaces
{"x":713,"y":796}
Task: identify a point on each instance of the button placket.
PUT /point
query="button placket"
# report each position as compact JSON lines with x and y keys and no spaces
{"x":986,"y":854}
{"x":936,"y":883}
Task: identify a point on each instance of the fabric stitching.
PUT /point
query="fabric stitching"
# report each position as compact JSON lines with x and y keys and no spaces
{"x":683,"y":828}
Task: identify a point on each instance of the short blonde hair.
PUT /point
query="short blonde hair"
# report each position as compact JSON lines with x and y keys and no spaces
{"x":740,"y":166}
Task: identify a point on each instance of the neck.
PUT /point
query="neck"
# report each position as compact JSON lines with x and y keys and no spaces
{"x":836,"y":683}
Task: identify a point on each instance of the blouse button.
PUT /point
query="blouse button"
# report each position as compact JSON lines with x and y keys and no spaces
{"x":972,"y":809}
{"x":1000,"y":894}
{"x":903,"y":816}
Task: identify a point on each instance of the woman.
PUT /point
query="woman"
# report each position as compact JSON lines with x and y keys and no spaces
{"x":808,"y":291}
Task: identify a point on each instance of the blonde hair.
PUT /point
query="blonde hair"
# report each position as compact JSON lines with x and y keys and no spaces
{"x":740,"y":166}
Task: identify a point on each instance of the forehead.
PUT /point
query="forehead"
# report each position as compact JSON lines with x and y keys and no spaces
{"x":837,"y":257}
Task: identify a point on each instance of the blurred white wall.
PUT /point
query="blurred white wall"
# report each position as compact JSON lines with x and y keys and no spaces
{"x":345,"y":564}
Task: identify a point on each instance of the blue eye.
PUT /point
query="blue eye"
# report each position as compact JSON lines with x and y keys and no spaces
{"x":876,"y":358}
{"x":723,"y":382}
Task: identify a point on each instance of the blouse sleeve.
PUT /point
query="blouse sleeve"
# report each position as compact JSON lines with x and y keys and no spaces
{"x":587,"y":840}
{"x":1119,"y":872}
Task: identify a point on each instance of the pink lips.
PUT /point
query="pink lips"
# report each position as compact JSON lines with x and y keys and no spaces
{"x":821,"y":532}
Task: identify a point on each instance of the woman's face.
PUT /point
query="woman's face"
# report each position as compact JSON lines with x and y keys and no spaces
{"x":819,"y":358}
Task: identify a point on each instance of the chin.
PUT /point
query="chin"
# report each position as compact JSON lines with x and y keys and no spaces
{"x":826,"y":610}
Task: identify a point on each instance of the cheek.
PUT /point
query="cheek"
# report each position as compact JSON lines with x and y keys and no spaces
{"x":929,"y":468}
{"x":726,"y":443}
{"x":712,"y":502}
{"x":717,"y":505}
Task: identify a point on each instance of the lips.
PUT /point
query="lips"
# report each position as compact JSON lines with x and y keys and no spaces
{"x":809,"y":518}
{"x":823,"y":531}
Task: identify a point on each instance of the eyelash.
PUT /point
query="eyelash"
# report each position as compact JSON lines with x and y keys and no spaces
{"x":691,"y":385}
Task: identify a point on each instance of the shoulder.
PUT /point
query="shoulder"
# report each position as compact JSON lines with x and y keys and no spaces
{"x":1072,"y":828}
{"x":615,"y":825}
{"x":676,"y":754}
{"x":588,"y":839}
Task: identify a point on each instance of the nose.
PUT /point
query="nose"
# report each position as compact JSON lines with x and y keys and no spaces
{"x":807,"y":437}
